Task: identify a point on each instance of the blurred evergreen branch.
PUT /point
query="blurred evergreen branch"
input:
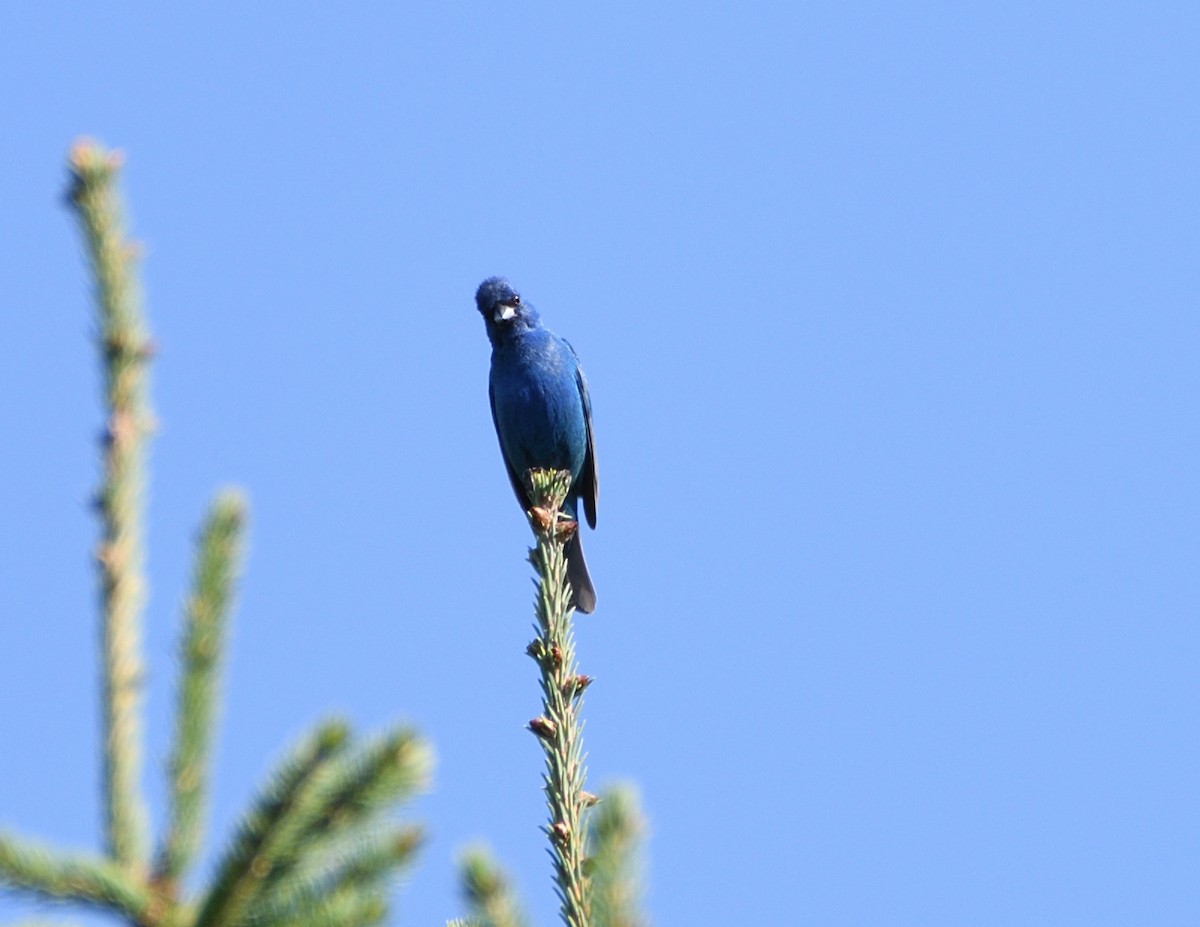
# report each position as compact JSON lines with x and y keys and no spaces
{"x":72,"y":877}
{"x":312,"y":832}
{"x":319,"y":848}
{"x":489,"y":897}
{"x":204,"y":638}
{"x":125,"y":351}
{"x":615,"y":833}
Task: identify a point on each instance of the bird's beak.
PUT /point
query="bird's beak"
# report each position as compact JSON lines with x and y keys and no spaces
{"x":504,"y":312}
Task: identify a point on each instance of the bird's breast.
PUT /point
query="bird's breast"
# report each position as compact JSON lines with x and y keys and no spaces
{"x":539,"y":412}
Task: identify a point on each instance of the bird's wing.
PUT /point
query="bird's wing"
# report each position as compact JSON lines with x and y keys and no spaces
{"x":589,"y":485}
{"x":518,"y":484}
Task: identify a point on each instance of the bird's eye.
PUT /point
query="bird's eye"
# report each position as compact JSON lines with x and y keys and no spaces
{"x":516,"y":300}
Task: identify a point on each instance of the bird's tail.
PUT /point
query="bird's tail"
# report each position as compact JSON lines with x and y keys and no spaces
{"x":583,"y":595}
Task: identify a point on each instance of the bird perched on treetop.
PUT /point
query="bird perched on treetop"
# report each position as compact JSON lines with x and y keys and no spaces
{"x":542,"y":412}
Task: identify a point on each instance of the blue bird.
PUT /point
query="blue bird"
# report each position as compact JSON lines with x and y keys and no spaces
{"x":542,"y":412}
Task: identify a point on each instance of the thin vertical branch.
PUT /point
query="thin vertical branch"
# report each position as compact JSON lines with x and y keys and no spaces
{"x":125,"y":350}
{"x":217,"y":561}
{"x":559,"y":727}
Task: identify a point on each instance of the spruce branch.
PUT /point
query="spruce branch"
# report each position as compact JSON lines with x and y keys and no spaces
{"x":73,"y":877}
{"x":217,"y":563}
{"x":489,"y":897}
{"x":347,"y":796}
{"x":364,"y":864}
{"x":615,"y":833}
{"x":345,"y":907}
{"x":383,"y":772}
{"x":326,"y":794}
{"x":559,"y":728}
{"x":125,"y":351}
{"x":264,"y":833}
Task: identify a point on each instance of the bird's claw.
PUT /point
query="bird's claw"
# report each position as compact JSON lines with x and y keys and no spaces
{"x":547,"y":521}
{"x":542,"y":518}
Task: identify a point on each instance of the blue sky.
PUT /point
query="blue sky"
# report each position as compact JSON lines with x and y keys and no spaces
{"x":890,"y":319}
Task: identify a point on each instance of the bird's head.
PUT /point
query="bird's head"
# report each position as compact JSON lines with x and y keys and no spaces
{"x":502,"y":310}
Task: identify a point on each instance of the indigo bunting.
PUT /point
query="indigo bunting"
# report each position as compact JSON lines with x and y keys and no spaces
{"x":542,"y":412}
